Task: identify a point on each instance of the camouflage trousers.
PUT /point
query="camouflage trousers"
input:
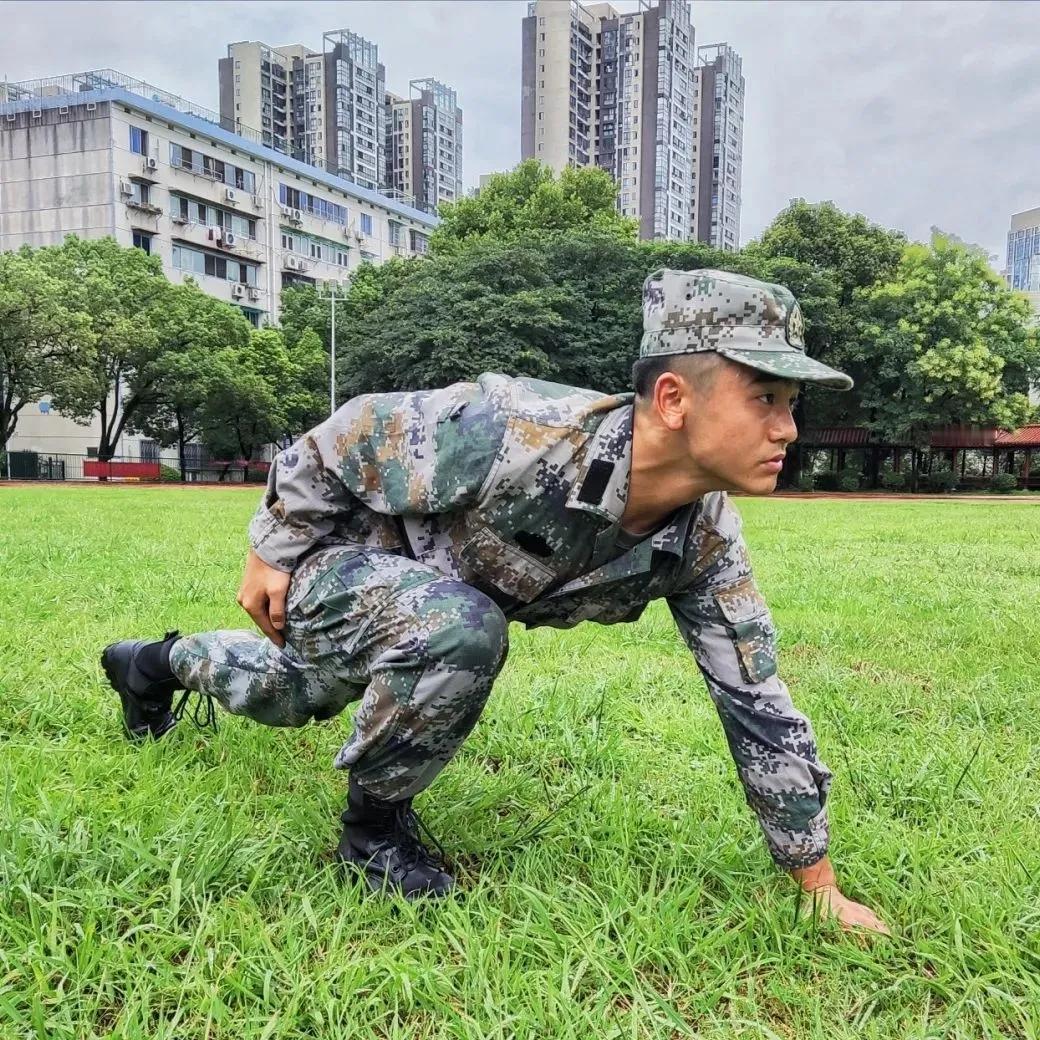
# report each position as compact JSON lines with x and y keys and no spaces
{"x":420,"y":650}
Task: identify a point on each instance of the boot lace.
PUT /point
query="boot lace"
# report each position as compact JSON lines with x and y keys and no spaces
{"x":406,"y":827}
{"x":203,"y":714}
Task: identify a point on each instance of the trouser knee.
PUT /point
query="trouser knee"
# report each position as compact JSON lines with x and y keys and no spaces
{"x":470,"y":633}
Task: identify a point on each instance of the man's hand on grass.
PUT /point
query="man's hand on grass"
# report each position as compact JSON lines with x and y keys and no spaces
{"x":262,"y":596}
{"x":821,"y":895}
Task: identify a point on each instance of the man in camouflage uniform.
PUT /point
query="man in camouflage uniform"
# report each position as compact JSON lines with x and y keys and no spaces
{"x":397,"y":540}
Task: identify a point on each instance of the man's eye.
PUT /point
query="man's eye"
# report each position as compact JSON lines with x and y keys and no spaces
{"x":768,"y":398}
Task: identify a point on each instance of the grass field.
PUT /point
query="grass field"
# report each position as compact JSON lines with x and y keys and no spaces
{"x":615,"y":883}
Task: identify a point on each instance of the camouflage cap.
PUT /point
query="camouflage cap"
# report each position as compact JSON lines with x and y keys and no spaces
{"x":755,"y":323}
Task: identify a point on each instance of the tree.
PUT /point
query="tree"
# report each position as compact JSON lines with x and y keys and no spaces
{"x":41,"y":334}
{"x":192,"y":328}
{"x":256,"y":391}
{"x":944,"y":341}
{"x":825,"y":256}
{"x":120,"y":292}
{"x":532,"y":199}
{"x":490,"y":307}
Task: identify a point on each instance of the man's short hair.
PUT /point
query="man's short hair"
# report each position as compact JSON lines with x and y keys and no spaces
{"x":699,"y":370}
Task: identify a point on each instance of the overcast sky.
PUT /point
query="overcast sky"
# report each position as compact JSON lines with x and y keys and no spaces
{"x":912,"y":113}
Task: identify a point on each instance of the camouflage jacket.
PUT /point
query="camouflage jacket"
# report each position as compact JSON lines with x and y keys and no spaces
{"x":517,"y":487}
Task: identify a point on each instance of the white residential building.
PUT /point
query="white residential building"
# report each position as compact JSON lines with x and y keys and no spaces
{"x":98,"y":154}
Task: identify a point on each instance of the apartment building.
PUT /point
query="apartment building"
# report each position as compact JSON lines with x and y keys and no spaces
{"x":99,"y":153}
{"x":331,"y":108}
{"x":280,"y":92}
{"x":615,"y":90}
{"x":718,"y":146}
{"x":424,"y":144}
{"x":1023,"y":265}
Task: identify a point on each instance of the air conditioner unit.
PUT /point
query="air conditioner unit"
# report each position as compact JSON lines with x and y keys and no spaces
{"x":294,"y":263}
{"x":297,"y":216}
{"x":238,"y":290}
{"x":229,"y":238}
{"x":287,"y":212}
{"x":215,"y":234}
{"x":230,"y":195}
{"x":151,"y":163}
{"x":126,"y":187}
{"x":254,"y":293}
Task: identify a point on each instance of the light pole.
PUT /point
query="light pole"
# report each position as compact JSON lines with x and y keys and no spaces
{"x":332,"y":295}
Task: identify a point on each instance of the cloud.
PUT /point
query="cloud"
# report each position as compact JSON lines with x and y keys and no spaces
{"x":911,"y":113}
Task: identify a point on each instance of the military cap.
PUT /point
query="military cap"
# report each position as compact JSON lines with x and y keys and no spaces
{"x":758,"y":324}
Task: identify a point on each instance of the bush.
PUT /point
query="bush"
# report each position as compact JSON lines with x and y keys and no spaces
{"x":893,"y":481}
{"x":848,"y":480}
{"x":827,"y":480}
{"x":806,"y":481}
{"x":169,"y":475}
{"x":1004,"y":483}
{"x":941,"y":480}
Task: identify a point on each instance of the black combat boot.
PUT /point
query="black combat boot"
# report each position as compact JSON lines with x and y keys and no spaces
{"x":139,"y":671}
{"x":382,"y":840}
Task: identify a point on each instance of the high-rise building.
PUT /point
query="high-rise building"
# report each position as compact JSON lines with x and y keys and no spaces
{"x":718,"y":146}
{"x":1023,"y":265}
{"x":616,"y":91}
{"x":331,"y":109}
{"x":424,"y":144}
{"x":355,"y":88}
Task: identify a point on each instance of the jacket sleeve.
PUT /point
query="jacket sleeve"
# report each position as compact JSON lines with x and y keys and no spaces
{"x":401,"y":454}
{"x":725,"y":622}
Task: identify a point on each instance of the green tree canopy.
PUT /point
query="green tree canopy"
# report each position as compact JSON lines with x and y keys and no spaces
{"x":944,"y":341}
{"x":192,"y":329}
{"x":533,"y":200}
{"x":42,"y":334}
{"x":121,"y":293}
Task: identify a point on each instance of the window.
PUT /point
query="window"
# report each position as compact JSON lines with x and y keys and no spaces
{"x":366,"y":223}
{"x":143,"y":241}
{"x":141,"y":193}
{"x":315,"y":250}
{"x":138,"y":140}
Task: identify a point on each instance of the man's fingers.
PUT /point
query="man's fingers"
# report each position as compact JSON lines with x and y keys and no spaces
{"x":259,"y":613}
{"x":276,"y":608}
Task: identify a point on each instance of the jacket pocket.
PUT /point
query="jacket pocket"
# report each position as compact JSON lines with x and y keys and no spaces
{"x":750,"y":628}
{"x":517,"y":573}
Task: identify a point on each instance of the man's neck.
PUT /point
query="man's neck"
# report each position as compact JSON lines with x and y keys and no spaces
{"x":662,"y":478}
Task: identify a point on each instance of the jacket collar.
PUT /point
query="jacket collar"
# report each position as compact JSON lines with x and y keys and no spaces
{"x":601,"y":487}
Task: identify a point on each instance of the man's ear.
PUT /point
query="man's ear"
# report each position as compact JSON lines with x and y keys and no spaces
{"x":669,"y":399}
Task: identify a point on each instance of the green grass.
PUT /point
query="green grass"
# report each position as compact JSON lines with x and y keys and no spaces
{"x":615,"y":884}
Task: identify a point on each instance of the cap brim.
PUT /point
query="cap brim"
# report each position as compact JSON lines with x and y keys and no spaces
{"x":789,"y":364}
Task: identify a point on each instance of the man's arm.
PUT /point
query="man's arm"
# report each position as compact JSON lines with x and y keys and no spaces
{"x":725,"y":622}
{"x":401,"y":454}
{"x":406,"y":454}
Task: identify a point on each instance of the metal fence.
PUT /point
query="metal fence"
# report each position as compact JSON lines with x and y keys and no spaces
{"x":43,"y":466}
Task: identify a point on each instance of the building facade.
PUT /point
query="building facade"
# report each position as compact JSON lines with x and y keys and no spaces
{"x":424,"y":144}
{"x":615,"y":90}
{"x":1023,"y":264}
{"x":331,"y":109}
{"x":95,"y":155}
{"x":718,"y":146}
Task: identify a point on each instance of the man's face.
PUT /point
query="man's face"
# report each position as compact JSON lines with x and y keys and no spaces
{"x":738,"y":428}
